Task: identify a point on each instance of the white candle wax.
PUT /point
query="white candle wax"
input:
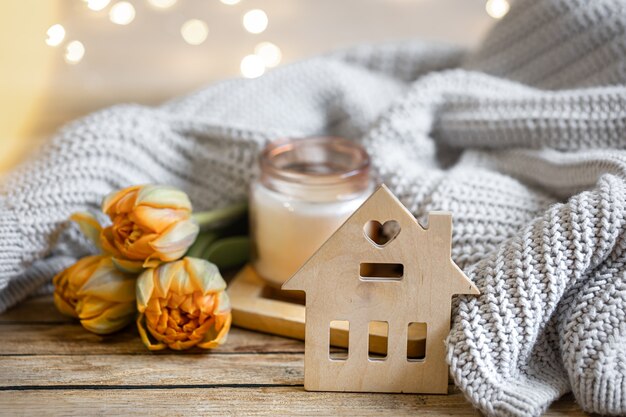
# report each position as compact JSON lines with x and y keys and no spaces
{"x":306,"y":189}
{"x":287,"y":231}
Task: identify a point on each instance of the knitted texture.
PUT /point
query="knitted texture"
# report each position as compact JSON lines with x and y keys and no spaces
{"x":522,"y":140}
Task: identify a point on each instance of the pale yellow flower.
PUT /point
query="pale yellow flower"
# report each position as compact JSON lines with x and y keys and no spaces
{"x":94,"y":291}
{"x":183,"y":304}
{"x":151,"y":224}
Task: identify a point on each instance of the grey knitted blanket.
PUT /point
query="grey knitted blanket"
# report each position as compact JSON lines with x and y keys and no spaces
{"x":523,"y":140}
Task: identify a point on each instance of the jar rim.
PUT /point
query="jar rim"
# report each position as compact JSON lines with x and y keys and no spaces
{"x":356,"y":168}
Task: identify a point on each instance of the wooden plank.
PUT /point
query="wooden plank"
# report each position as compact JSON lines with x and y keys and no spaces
{"x":146,"y":370}
{"x":39,"y":309}
{"x":104,"y":367}
{"x":263,"y":401}
{"x":72,"y":339}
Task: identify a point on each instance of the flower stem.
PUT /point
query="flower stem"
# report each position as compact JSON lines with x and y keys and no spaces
{"x":216,"y":219}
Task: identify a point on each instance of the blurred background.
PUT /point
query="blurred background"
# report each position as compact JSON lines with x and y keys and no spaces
{"x":61,"y":59}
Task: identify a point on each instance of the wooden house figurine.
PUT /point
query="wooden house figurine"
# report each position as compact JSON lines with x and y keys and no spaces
{"x":381,"y":267}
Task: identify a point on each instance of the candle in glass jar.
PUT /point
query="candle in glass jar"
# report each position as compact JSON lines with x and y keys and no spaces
{"x":306,"y":189}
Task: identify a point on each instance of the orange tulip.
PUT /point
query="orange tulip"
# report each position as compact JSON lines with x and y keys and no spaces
{"x":94,"y":291}
{"x":151,"y":224}
{"x":183,"y":304}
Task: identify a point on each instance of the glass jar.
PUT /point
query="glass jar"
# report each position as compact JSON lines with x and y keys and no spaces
{"x":306,"y":189}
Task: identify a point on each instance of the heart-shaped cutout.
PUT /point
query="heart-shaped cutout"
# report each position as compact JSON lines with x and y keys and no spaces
{"x":381,"y":234}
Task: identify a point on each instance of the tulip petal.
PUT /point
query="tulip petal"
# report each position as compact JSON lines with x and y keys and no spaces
{"x":182,"y":345}
{"x":144,"y":289}
{"x":139,"y":249}
{"x":126,"y":266}
{"x":184,"y":283}
{"x":163,"y":279}
{"x":163,"y":196}
{"x":125,"y":204}
{"x":205,"y":275}
{"x":68,"y":282}
{"x":157,"y":219}
{"x":144,"y":336}
{"x":64,"y":307}
{"x":81,"y":271}
{"x":223,"y":320}
{"x":223,"y":303}
{"x":107,"y":242}
{"x":175,"y":240}
{"x":181,"y":282}
{"x":90,"y":307}
{"x":109,"y":284}
{"x":89,"y":226}
{"x":151,"y":263}
{"x":111,"y":320}
{"x":220,"y":338}
{"x":114,"y":197}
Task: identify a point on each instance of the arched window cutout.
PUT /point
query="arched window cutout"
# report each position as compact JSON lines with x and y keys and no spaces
{"x":380,"y":235}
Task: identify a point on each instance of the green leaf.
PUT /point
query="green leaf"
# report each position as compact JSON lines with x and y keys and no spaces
{"x":201,"y":244}
{"x":229,"y":252}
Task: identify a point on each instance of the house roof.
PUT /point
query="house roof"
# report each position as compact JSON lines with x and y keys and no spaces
{"x":383,"y":206}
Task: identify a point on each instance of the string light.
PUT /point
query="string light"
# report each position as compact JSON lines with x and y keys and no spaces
{"x":97,"y":5}
{"x":55,"y":35}
{"x":162,"y":4}
{"x":194,"y":31}
{"x":122,"y":13}
{"x":255,"y":21}
{"x":252,"y":66}
{"x":497,"y":8}
{"x":230,"y":2}
{"x":269,"y":53}
{"x":74,"y":52}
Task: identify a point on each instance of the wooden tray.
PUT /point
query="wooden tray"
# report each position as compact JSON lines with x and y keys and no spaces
{"x":257,"y":306}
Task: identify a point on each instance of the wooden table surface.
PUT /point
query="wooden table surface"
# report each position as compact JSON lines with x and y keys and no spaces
{"x":50,"y":365}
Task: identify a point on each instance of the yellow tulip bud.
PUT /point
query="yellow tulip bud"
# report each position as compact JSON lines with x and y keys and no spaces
{"x":183,"y":304}
{"x":151,"y":224}
{"x":94,"y":291}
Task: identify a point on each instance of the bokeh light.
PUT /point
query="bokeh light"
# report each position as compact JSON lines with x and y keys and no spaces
{"x":497,"y":8}
{"x":162,"y":4}
{"x":97,"y":5}
{"x":269,"y":53}
{"x":255,"y":21}
{"x":230,"y":2}
{"x":252,"y":66}
{"x":122,"y":13}
{"x":74,"y":52}
{"x":55,"y":35}
{"x":194,"y":31}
